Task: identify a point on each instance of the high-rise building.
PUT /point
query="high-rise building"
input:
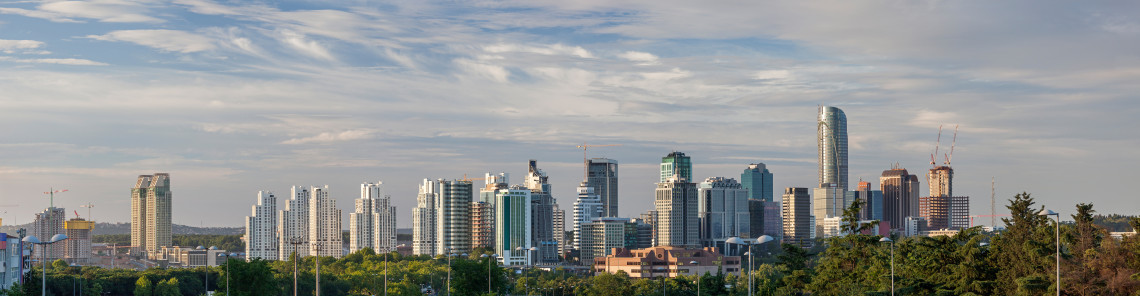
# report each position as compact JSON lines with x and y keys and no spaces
{"x":723,"y":210}
{"x":764,"y":219}
{"x":560,"y":229}
{"x":604,"y":234}
{"x":831,"y":132}
{"x":47,"y":224}
{"x":261,"y":228}
{"x":293,"y":225}
{"x":676,"y":163}
{"x":942,"y":209}
{"x":513,"y":226}
{"x":150,"y":212}
{"x":677,"y":218}
{"x":798,"y":223}
{"x":900,"y":195}
{"x":586,"y":208}
{"x":454,"y":216}
{"x":77,"y":247}
{"x":324,"y":224}
{"x":373,"y":223}
{"x":828,"y":202}
{"x":650,"y":218}
{"x":758,"y":181}
{"x":602,"y":175}
{"x":424,"y":219}
{"x":872,"y":208}
{"x":542,"y":214}
{"x":482,"y":225}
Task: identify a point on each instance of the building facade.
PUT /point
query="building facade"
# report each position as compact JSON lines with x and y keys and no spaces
{"x":678,"y":223}
{"x":513,"y":226}
{"x":831,"y":132}
{"x":602,"y":175}
{"x":47,"y":224}
{"x":828,"y":202}
{"x":872,"y":208}
{"x":453,"y":225}
{"x":77,"y":247}
{"x":667,"y":262}
{"x":325,"y":238}
{"x":424,"y":218}
{"x":542,"y":214}
{"x":293,"y":225}
{"x":560,"y":229}
{"x":676,"y":163}
{"x":602,"y":235}
{"x":261,"y":228}
{"x":482,"y":225}
{"x":150,"y":212}
{"x":900,"y":195}
{"x":723,"y":210}
{"x":942,"y":209}
{"x":758,"y":181}
{"x":373,"y":223}
{"x":587,"y":207}
{"x":796,"y":212}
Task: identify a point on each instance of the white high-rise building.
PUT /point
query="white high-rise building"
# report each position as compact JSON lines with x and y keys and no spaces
{"x":587,"y":207}
{"x":560,"y":229}
{"x":293,"y":225}
{"x":261,"y":228}
{"x":47,"y":224}
{"x":424,"y":217}
{"x":324,"y":224}
{"x":150,"y":213}
{"x":453,"y":223}
{"x":677,"y":218}
{"x":373,"y":224}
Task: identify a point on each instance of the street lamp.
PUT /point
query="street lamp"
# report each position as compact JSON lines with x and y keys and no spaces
{"x":694,"y":264}
{"x":31,"y":239}
{"x":295,"y":241}
{"x":759,"y":241}
{"x":888,"y":240}
{"x":1058,"y":236}
{"x":491,"y":257}
{"x":228,"y":269}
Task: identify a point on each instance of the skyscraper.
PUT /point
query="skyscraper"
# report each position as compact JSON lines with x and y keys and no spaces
{"x":900,"y":195}
{"x":602,"y":175}
{"x":373,"y":223}
{"x":261,"y":228}
{"x":872,"y":208}
{"x":942,"y":209}
{"x":542,"y":214}
{"x":78,"y":244}
{"x":324,"y":224}
{"x":586,"y":208}
{"x":453,"y":224}
{"x":150,"y":212}
{"x":677,"y":218}
{"x":482,"y":225}
{"x":424,"y":219}
{"x":828,"y":202}
{"x":47,"y":224}
{"x":798,"y":223}
{"x":513,"y":225}
{"x":758,"y":181}
{"x":293,"y":225}
{"x":676,"y":163}
{"x":560,"y":229}
{"x":723,"y":210}
{"x":832,"y":143}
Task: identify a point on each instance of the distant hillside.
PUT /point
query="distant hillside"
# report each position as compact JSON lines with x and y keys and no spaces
{"x":125,"y":228}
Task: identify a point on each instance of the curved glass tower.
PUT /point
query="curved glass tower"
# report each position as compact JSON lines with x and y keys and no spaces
{"x":832,"y":140}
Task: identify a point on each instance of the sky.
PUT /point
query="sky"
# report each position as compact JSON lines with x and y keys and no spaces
{"x":233,"y":97}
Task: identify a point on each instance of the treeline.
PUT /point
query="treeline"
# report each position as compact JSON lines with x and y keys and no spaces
{"x":1016,"y":261}
{"x":1114,"y":222}
{"x":231,"y":243}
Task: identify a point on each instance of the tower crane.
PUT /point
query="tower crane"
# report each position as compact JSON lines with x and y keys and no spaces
{"x":52,"y":193}
{"x":952,"y":143}
{"x":585,"y":166}
{"x":89,"y":205}
{"x":933,"y":163}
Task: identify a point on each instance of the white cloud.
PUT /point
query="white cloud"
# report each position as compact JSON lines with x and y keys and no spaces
{"x":644,"y":57}
{"x":305,"y":46}
{"x":165,"y":40}
{"x":772,"y":75}
{"x":110,"y":11}
{"x":494,"y":72}
{"x":552,"y":49}
{"x":75,"y":62}
{"x":327,"y":137}
{"x":11,"y":46}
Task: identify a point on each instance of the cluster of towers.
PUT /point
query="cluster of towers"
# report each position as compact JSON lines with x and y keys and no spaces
{"x":310,"y":224}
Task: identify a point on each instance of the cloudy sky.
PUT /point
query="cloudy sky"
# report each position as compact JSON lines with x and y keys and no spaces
{"x":235,"y":97}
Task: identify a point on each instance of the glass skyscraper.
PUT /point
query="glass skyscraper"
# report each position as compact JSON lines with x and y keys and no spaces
{"x":602,"y":175}
{"x":676,"y":163}
{"x":758,"y":181}
{"x":832,"y":142}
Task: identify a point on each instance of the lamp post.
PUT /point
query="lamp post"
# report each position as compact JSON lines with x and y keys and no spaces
{"x":1058,"y":236}
{"x":489,"y":258}
{"x":694,"y":264}
{"x":759,"y":241}
{"x":888,"y":240}
{"x":227,"y":269}
{"x":31,"y":239}
{"x":295,"y":241}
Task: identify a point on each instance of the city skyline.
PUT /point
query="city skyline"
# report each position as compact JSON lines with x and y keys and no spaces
{"x":232,"y":98}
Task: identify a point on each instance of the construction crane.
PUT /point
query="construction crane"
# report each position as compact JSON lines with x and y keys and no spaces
{"x":52,"y":195}
{"x":465,"y":178}
{"x":952,"y":143}
{"x":585,"y":166}
{"x":89,"y":205}
{"x":933,"y":163}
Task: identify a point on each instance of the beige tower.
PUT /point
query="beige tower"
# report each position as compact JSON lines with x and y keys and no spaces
{"x":678,"y":223}
{"x":150,"y":213}
{"x":796,"y":213}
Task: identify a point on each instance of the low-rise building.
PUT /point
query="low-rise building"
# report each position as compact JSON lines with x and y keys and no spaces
{"x":666,"y":261}
{"x":11,"y":269}
{"x":186,"y":257}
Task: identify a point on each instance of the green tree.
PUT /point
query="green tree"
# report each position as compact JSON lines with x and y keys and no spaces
{"x":1023,"y":251}
{"x":249,"y":278}
{"x":608,"y":284}
{"x":14,"y":290}
{"x":143,"y":287}
{"x":168,"y":287}
{"x":59,"y":265}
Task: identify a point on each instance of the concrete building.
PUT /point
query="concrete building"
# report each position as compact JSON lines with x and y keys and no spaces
{"x":482,"y":225}
{"x":559,"y":219}
{"x":914,"y":226}
{"x":513,"y":226}
{"x":453,"y":224}
{"x":587,"y":207}
{"x":293,"y":225}
{"x":150,"y":212}
{"x":602,"y":175}
{"x":723,"y":210}
{"x":650,"y":217}
{"x":942,"y":209}
{"x":373,"y":223}
{"x":678,"y":223}
{"x":189,"y":257}
{"x":676,"y":163}
{"x":424,"y":219}
{"x":900,"y":195}
{"x":261,"y":228}
{"x":542,"y":214}
{"x":796,"y":212}
{"x":324,"y":224}
{"x":831,"y":133}
{"x":828,"y":202}
{"x":11,"y":259}
{"x":758,"y":181}
{"x":602,"y":235}
{"x":47,"y":224}
{"x":666,"y":262}
{"x":77,"y":247}
{"x":872,"y":208}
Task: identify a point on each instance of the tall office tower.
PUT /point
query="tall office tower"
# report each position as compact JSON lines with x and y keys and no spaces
{"x":828,"y":202}
{"x":756,"y":217}
{"x":604,"y":234}
{"x":602,"y":175}
{"x":650,"y":217}
{"x":900,"y":195}
{"x":261,"y":228}
{"x":482,"y":225}
{"x":77,"y":247}
{"x":586,"y":208}
{"x":47,"y":224}
{"x":942,"y":209}
{"x":373,"y":224}
{"x":872,"y":208}
{"x":723,"y":210}
{"x":560,"y":229}
{"x":454,"y":216}
{"x":645,"y":234}
{"x":676,"y":163}
{"x":677,"y":218}
{"x":542,"y":213}
{"x":798,"y":223}
{"x":293,"y":225}
{"x":425,"y":218}
{"x":150,"y":212}
{"x":491,"y":184}
{"x":324,"y":224}
{"x":832,"y":143}
{"x":513,"y":226}
{"x":758,"y":181}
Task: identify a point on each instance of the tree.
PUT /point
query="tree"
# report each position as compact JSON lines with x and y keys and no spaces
{"x":608,"y":284}
{"x":1023,"y":252}
{"x":59,"y":265}
{"x":251,"y":278}
{"x":14,"y":290}
{"x":143,"y":287}
{"x":168,"y":287}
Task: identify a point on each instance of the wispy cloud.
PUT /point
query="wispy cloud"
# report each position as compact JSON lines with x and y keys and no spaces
{"x":165,"y":40}
{"x":330,"y":137}
{"x":75,"y":62}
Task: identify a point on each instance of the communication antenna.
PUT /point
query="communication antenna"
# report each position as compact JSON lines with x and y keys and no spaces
{"x":993,"y":221}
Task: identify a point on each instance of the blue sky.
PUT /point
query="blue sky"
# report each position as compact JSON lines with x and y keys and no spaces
{"x":232,"y":97}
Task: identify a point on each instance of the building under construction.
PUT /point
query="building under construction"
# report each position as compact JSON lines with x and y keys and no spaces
{"x":941,"y":208}
{"x":77,"y":247}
